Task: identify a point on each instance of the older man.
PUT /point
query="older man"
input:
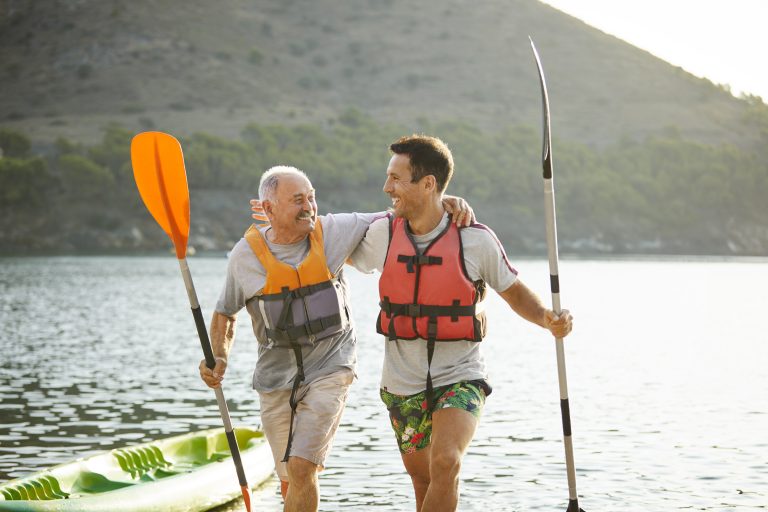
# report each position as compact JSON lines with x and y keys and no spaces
{"x":289,"y":277}
{"x":434,"y":381}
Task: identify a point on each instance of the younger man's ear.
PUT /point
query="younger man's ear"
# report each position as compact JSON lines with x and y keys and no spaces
{"x":430,"y":182}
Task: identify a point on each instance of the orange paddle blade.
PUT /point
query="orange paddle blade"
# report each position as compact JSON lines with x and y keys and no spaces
{"x":158,"y":167}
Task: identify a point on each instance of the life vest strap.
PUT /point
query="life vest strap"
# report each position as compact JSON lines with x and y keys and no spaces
{"x":432,"y":333}
{"x":297,"y":380}
{"x":454,"y":311}
{"x":293,"y":333}
{"x":418,"y":260}
{"x":283,"y":331}
{"x":297,"y":292}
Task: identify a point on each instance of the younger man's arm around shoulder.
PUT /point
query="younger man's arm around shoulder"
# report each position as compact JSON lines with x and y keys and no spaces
{"x":528,"y":305}
{"x":372,"y":249}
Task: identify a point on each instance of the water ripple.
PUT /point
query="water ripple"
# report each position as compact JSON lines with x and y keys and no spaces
{"x":100,"y":352}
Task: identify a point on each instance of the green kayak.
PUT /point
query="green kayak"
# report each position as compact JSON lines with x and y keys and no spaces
{"x":191,"y":472}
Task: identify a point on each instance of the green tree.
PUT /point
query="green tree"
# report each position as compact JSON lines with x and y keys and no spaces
{"x":114,"y":153}
{"x":14,"y":144}
{"x":85,"y":179}
{"x":23,"y":183}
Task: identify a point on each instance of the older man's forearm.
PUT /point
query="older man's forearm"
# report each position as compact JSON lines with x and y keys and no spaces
{"x":222,"y":334}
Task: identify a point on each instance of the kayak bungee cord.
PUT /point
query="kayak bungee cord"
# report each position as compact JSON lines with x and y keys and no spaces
{"x":554,"y":280}
{"x":158,"y":167}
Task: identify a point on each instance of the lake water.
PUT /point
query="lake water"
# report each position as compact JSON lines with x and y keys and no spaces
{"x":666,"y":370}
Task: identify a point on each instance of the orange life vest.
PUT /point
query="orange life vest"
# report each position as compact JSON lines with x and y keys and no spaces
{"x":302,"y":304}
{"x":299,"y":305}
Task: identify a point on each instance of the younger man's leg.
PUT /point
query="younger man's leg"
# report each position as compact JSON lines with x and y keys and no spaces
{"x":417,"y":466}
{"x":434,"y":468}
{"x":452,"y":431}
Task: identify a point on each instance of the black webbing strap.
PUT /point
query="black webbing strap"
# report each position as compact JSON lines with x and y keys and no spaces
{"x":285,"y":311}
{"x":297,"y":380}
{"x":416,"y":310}
{"x":295,"y":332}
{"x":298,"y":292}
{"x":431,"y":335}
{"x":391,"y":334}
{"x":296,"y":383}
{"x":418,"y":259}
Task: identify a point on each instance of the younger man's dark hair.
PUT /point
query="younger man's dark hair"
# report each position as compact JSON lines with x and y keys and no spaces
{"x":428,"y":155}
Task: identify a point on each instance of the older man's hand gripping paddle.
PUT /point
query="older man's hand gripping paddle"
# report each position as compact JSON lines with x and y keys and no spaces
{"x":158,"y":167}
{"x":549,"y":207}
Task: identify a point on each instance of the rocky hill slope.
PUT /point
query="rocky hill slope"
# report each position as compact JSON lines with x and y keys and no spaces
{"x":69,"y":67}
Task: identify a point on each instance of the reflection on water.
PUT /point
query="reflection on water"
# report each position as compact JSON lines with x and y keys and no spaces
{"x":666,"y":374}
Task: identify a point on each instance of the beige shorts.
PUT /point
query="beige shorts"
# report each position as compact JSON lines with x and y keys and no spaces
{"x":318,"y":415}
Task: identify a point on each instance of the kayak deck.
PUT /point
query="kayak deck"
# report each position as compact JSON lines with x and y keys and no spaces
{"x":164,"y":467}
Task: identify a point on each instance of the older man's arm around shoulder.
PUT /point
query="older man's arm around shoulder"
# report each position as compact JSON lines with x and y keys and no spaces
{"x":529,"y":306}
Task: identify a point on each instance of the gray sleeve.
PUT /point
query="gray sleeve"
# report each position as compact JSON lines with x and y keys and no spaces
{"x":245,"y":278}
{"x":372,"y":250}
{"x":342,"y":233}
{"x":485,"y":258}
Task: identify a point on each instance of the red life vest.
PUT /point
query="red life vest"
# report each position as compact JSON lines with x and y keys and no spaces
{"x":429,"y":295}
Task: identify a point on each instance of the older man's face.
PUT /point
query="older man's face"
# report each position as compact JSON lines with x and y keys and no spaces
{"x":293,"y":210}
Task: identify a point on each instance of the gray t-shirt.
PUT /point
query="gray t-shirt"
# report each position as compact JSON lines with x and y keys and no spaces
{"x":405,"y":361}
{"x":276,"y":366}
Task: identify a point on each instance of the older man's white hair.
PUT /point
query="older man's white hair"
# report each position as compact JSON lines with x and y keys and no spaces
{"x":271,"y":176}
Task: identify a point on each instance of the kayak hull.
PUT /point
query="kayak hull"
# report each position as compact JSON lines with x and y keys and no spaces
{"x":187,"y":473}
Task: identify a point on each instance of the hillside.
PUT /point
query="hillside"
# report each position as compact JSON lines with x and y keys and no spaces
{"x":70,"y":67}
{"x":648,"y":158}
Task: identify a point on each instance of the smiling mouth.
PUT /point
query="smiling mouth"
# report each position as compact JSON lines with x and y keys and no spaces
{"x":395,"y":201}
{"x":305,"y":218}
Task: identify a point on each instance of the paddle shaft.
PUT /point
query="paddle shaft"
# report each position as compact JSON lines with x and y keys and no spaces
{"x":210,"y":362}
{"x":554,"y":281}
{"x":158,"y":168}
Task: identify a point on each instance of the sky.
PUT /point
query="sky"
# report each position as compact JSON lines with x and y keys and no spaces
{"x":722,"y":40}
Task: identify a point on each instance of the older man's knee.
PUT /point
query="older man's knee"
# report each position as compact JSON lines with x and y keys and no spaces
{"x":301,"y":470}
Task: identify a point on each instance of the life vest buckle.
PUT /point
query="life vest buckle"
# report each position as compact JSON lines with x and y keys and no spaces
{"x":386,"y":306}
{"x":302,"y":292}
{"x":418,"y":259}
{"x":432,"y":330}
{"x":413,"y":310}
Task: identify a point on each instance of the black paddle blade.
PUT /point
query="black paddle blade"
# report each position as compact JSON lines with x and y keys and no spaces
{"x":546,"y":157}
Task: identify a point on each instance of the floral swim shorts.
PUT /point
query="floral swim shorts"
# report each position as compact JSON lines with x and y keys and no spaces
{"x":411,"y":420}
